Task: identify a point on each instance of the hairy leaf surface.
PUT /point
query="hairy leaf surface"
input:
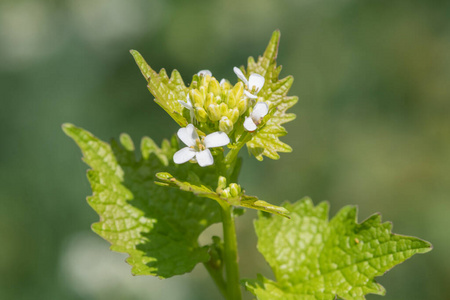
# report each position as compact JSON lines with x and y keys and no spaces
{"x":157,"y":227}
{"x":167,"y":91}
{"x":313,"y":258}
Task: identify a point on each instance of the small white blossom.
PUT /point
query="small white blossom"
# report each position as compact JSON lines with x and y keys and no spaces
{"x":204,"y":73}
{"x":259,"y":111}
{"x":188,"y":104}
{"x":198,"y":148}
{"x":254,"y":83}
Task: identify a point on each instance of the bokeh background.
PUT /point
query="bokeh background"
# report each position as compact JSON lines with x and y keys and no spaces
{"x":372,"y":127}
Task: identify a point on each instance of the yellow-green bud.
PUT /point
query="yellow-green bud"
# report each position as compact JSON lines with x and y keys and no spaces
{"x":235,"y":189}
{"x":223,"y":109}
{"x":205,"y":80}
{"x":242,"y":105}
{"x":233,"y":115}
{"x":226,"y":85}
{"x":226,"y":193}
{"x":201,"y":114}
{"x":225,"y":125}
{"x":196,"y":97}
{"x":222,"y":183}
{"x":231,"y":100}
{"x":202,"y":90}
{"x":238,"y":90}
{"x":214,"y":112}
{"x":214,"y":86}
{"x":209,"y":99}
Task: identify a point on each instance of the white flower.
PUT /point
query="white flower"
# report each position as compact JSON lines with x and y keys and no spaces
{"x":254,"y":83}
{"x":204,"y":73}
{"x":188,"y":105}
{"x":198,"y":148}
{"x":259,"y":111}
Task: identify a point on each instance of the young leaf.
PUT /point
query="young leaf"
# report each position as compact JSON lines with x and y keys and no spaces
{"x":313,"y":258}
{"x":167,"y":91}
{"x":204,"y":191}
{"x":157,"y":227}
{"x":266,"y":141}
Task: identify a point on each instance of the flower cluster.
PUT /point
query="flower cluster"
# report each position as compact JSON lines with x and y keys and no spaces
{"x":218,"y":108}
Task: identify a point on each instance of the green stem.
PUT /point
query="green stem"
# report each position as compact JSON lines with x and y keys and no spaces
{"x":230,"y":253}
{"x":216,"y":275}
{"x":230,"y":159}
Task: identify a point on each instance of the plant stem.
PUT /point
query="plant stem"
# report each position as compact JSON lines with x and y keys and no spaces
{"x":230,"y":159}
{"x":230,"y":253}
{"x":218,"y":279}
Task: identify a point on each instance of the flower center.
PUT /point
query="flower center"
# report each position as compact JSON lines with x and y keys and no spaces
{"x":199,"y":146}
{"x":254,"y":89}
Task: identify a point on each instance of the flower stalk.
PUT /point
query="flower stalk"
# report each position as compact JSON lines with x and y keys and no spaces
{"x":230,"y":255}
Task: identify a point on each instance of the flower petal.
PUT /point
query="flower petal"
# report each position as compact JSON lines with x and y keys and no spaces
{"x":255,"y":81}
{"x":204,"y":73}
{"x":204,"y":158}
{"x":240,"y":75}
{"x":250,"y":95}
{"x":187,"y":105}
{"x":183,"y":155}
{"x":188,"y":135}
{"x":222,"y":81}
{"x":249,"y":125}
{"x":216,"y":139}
{"x":260,"y":110}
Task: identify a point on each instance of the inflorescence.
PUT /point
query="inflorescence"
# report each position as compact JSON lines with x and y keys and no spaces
{"x":220,"y":109}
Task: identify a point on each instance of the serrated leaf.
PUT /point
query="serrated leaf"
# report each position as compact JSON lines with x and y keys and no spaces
{"x":266,"y":141}
{"x":204,"y":191}
{"x":167,"y":91}
{"x":157,"y":227}
{"x":313,"y":258}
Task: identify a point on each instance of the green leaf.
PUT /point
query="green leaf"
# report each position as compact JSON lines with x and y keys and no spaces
{"x":157,"y":227}
{"x":313,"y":258}
{"x":203,"y":191}
{"x":167,"y":91}
{"x":266,"y":141}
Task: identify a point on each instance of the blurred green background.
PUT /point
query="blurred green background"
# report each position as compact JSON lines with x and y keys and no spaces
{"x":372,"y":127}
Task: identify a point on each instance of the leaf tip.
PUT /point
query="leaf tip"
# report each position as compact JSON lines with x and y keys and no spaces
{"x":126,"y":141}
{"x":67,"y":126}
{"x":163,"y":176}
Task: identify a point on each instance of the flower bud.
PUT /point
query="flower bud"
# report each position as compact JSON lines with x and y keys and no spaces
{"x":226,"y":193}
{"x":209,"y":99}
{"x":233,"y":115}
{"x":205,"y":80}
{"x":225,"y":125}
{"x":202,"y":90}
{"x":196,"y":97}
{"x":225,"y":84}
{"x":235,"y":189}
{"x":223,"y":109}
{"x":221,"y":183}
{"x":214,"y":112}
{"x":201,"y":114}
{"x":214,"y":87}
{"x":242,"y":105}
{"x":238,"y":90}
{"x":231,"y":100}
